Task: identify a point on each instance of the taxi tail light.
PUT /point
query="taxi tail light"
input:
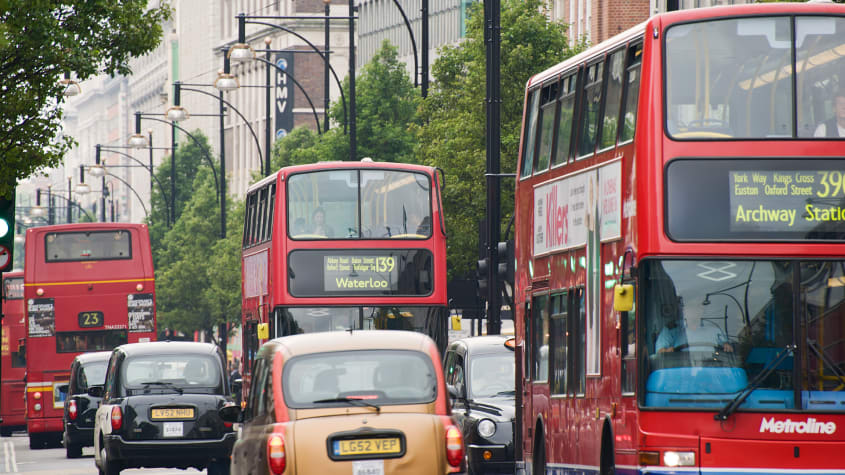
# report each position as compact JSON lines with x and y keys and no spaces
{"x":276,"y":454}
{"x":454,"y":446}
{"x":116,"y":418}
{"x":71,"y":410}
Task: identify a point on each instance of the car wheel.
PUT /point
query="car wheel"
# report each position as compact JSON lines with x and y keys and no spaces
{"x":107,"y":467}
{"x":218,"y":468}
{"x":73,"y":451}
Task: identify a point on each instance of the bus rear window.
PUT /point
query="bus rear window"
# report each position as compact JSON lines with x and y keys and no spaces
{"x":88,"y":246}
{"x":76,"y":342}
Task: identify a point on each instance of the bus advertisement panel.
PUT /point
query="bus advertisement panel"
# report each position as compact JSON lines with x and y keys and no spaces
{"x":88,"y":287}
{"x":680,"y":227}
{"x":13,"y":355}
{"x":343,"y":245}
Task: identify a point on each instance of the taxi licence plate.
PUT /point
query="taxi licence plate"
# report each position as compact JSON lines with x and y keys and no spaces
{"x":378,"y":446}
{"x":171,"y":413}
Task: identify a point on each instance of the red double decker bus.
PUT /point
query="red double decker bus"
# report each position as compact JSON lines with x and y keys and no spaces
{"x":12,"y":355}
{"x":680,"y":227}
{"x":88,"y":287}
{"x":336,"y":246}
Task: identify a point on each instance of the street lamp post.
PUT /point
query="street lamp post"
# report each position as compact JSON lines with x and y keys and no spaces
{"x":98,"y":169}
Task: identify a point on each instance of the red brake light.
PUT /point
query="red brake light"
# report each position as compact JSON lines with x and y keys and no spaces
{"x":116,"y":418}
{"x":71,"y":409}
{"x":36,"y":395}
{"x":276,"y":454}
{"x":454,"y":446}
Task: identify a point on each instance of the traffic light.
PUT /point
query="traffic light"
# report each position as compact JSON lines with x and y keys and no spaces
{"x":7,"y":232}
{"x":506,"y":261}
{"x":481,"y":275}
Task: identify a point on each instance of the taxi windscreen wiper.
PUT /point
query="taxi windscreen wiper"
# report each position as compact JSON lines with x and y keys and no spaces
{"x":755,"y":383}
{"x":166,"y":384}
{"x":353,"y":401}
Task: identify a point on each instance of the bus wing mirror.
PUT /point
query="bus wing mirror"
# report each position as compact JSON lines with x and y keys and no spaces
{"x":623,"y":297}
{"x":263,"y":331}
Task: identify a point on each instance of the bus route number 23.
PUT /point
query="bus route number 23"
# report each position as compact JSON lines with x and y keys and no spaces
{"x":90,"y":319}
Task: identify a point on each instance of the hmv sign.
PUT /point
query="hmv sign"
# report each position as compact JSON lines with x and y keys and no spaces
{"x":284,"y":93}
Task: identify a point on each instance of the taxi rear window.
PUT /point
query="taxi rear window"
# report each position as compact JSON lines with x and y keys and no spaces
{"x":364,"y":376}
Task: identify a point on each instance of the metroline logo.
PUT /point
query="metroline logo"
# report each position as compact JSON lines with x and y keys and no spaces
{"x":810,"y":426}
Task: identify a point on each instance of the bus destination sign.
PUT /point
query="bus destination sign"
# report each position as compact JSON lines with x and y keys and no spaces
{"x":360,"y":272}
{"x":800,"y":200}
{"x":363,"y":272}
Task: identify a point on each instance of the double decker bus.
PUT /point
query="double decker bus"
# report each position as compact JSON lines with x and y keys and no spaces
{"x":12,"y":355}
{"x":680,"y":232}
{"x":88,"y":287}
{"x":339,"y":246}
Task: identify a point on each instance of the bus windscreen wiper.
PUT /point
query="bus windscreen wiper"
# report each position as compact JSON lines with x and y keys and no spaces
{"x":732,"y":406}
{"x":353,"y":401}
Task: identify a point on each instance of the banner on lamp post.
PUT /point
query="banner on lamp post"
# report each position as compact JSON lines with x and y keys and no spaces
{"x":284,"y":94}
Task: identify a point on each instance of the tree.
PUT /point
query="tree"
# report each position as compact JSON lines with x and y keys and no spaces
{"x":198,"y":275}
{"x":190,"y":157}
{"x":386,"y":103}
{"x":453,"y":130}
{"x":39,"y":43}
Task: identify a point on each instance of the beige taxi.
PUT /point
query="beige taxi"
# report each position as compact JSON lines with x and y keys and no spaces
{"x":353,"y":403}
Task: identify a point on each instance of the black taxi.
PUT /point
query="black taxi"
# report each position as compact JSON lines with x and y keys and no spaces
{"x":87,"y":369}
{"x":481,"y":382}
{"x":160,"y":409}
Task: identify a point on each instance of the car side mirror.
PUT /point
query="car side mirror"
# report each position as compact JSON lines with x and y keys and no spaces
{"x":454,"y":392}
{"x":231,"y":413}
{"x":95,"y":391}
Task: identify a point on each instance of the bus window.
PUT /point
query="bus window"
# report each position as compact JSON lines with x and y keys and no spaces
{"x":530,"y":132}
{"x":631,"y":93}
{"x":325,"y":201}
{"x":577,"y":342}
{"x":589,"y":109}
{"x":394,"y":205}
{"x":88,"y":246}
{"x":820,"y":65}
{"x":548,"y":98}
{"x":729,"y":78}
{"x":615,"y":70}
{"x":559,"y":346}
{"x":565,"y":113}
{"x":541,"y":338}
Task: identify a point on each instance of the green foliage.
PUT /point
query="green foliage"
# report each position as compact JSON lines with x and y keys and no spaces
{"x":386,"y":104}
{"x":453,"y":130}
{"x":197,"y":273}
{"x":40,"y":41}
{"x":189,"y":158}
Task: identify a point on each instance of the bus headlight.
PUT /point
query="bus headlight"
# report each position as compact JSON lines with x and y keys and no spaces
{"x":486,"y":428}
{"x":673,"y":458}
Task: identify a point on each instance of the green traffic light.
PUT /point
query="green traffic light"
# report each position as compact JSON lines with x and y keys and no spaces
{"x":4,"y":227}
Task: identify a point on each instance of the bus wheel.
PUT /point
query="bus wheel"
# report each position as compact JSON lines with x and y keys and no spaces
{"x":36,"y":442}
{"x":608,"y":465}
{"x":5,"y":432}
{"x":539,"y":454}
